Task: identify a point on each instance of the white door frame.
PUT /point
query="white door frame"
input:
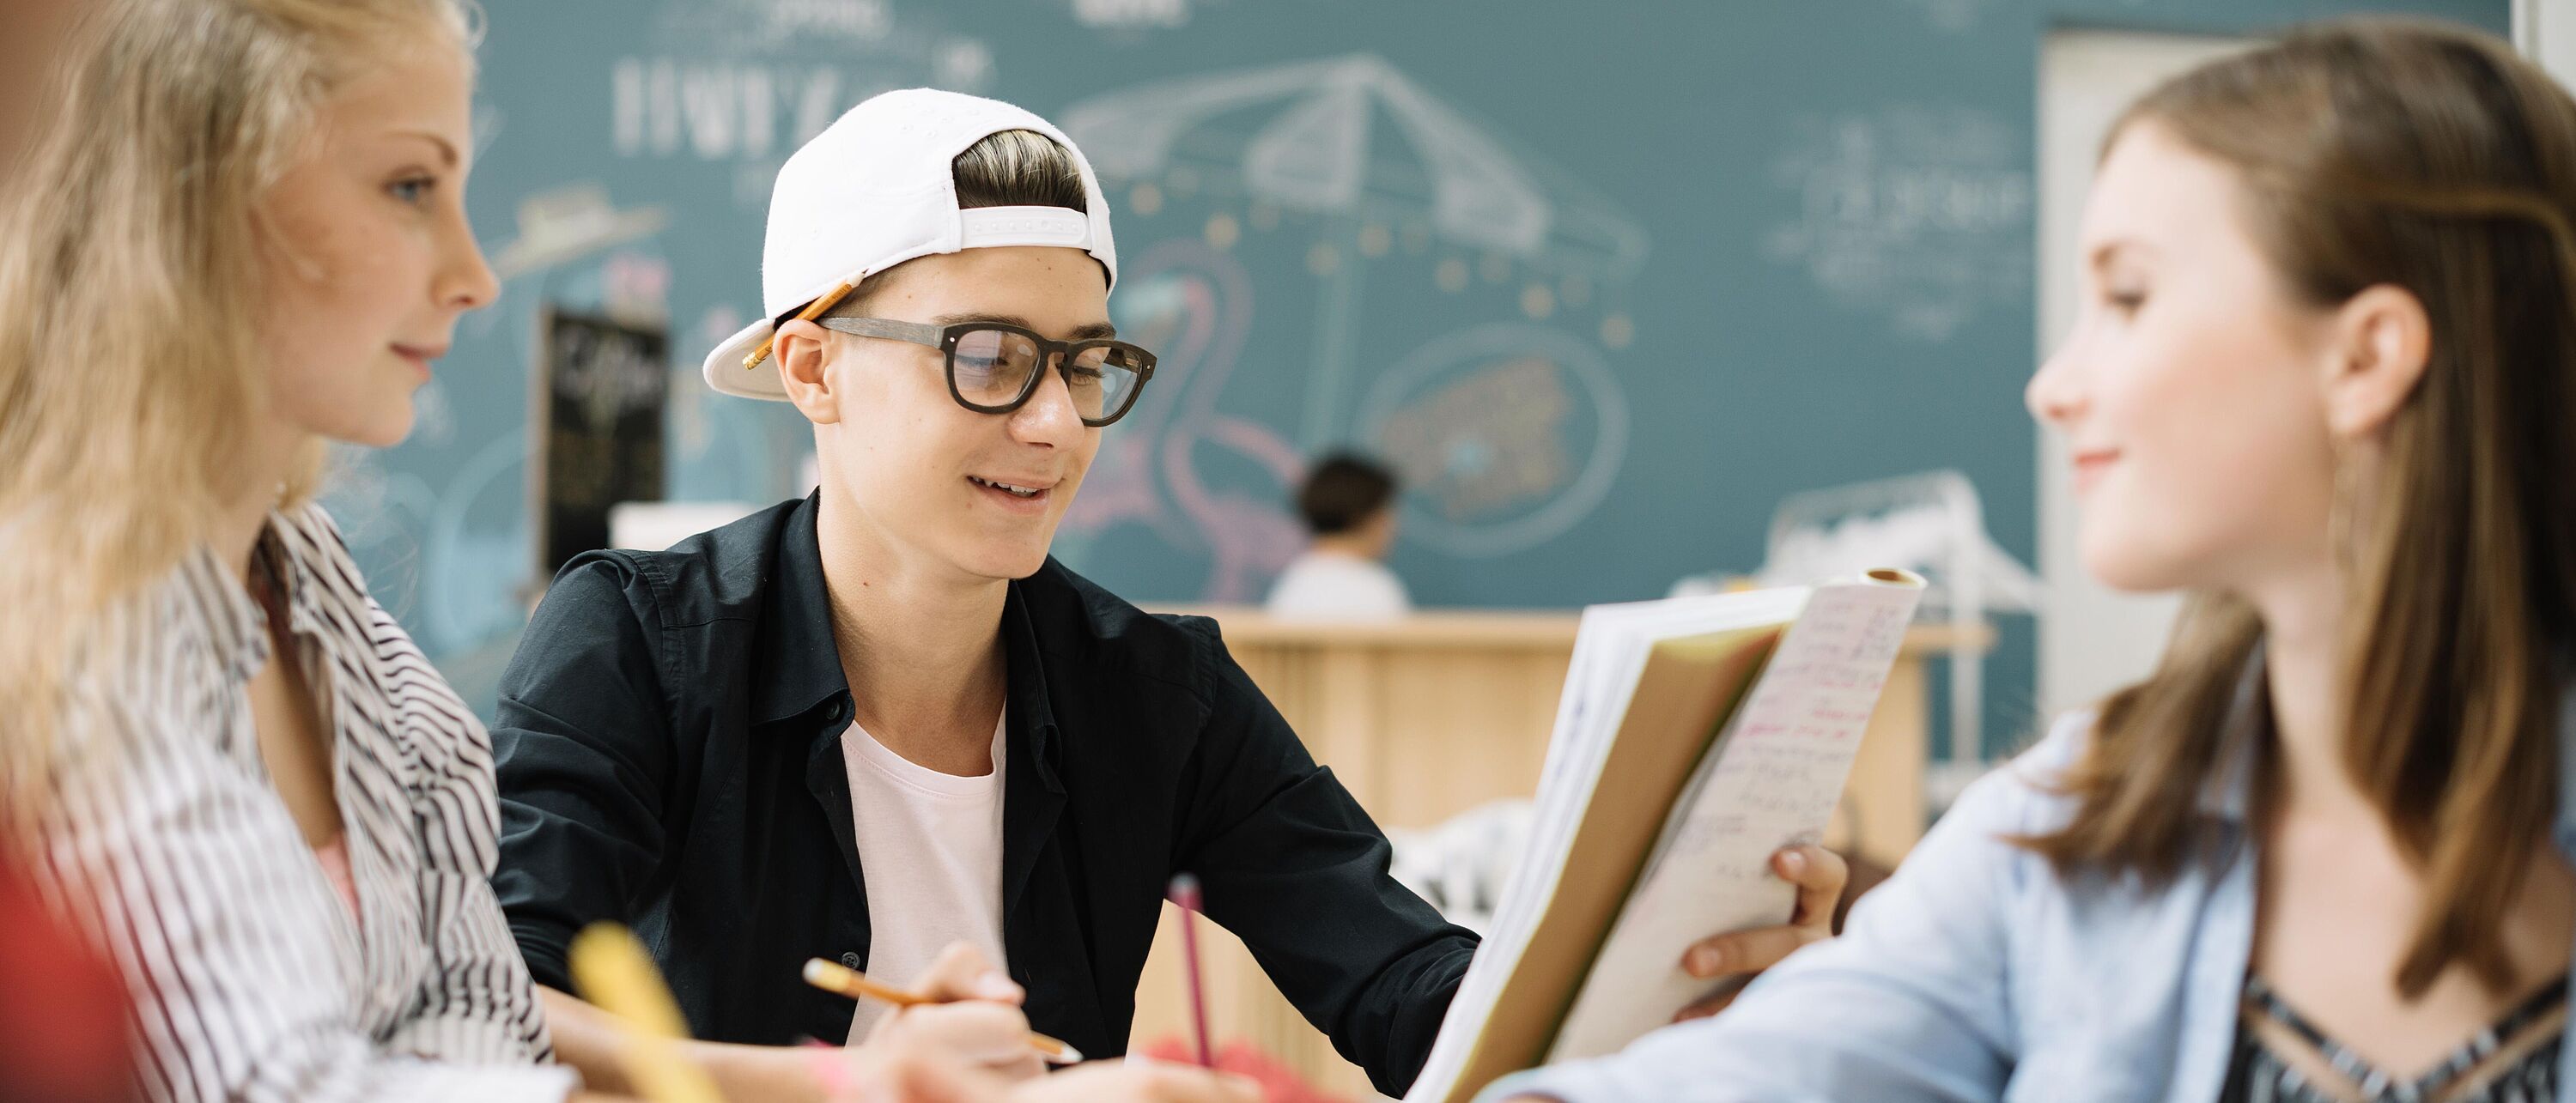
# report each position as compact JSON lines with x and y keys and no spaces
{"x":2546,"y":32}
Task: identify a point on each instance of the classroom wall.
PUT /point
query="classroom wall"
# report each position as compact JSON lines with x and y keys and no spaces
{"x":1609,"y":280}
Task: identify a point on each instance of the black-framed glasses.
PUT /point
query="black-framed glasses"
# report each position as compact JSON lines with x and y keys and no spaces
{"x":993,"y":367}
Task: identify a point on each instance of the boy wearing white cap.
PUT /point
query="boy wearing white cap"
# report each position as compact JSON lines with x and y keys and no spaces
{"x":874,"y":723}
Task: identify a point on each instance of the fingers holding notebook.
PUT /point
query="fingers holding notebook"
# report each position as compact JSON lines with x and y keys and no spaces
{"x":1819,"y":875}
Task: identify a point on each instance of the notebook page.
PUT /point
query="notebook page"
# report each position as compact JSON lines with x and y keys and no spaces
{"x":1610,"y":656}
{"x":1771,"y":779}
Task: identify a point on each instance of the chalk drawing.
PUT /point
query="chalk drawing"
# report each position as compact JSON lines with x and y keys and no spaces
{"x":379,"y":512}
{"x":1314,"y":154}
{"x":479,"y":548}
{"x":1484,"y":427}
{"x":1953,"y":15}
{"x":692,"y":417}
{"x":1921,"y":213}
{"x":1964,"y":16}
{"x":747,"y":81}
{"x":741,"y":28}
{"x":433,"y":419}
{"x":1131,"y":15}
{"x":489,"y":121}
{"x":963,"y":63}
{"x":1194,"y":305}
{"x":1311,"y":149}
{"x":635,"y":286}
{"x":563,"y":224}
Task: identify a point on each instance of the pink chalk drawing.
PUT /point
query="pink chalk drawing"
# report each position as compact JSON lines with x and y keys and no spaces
{"x":1194,"y":306}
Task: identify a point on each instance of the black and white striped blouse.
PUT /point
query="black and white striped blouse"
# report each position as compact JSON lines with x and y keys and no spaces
{"x":250,"y":977}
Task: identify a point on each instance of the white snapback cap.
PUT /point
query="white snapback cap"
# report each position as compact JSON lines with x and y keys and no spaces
{"x":876,"y":189}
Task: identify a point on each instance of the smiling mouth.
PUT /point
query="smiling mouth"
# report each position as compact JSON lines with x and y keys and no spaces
{"x":2089,"y":466}
{"x":420,"y":356}
{"x":1024,"y":493}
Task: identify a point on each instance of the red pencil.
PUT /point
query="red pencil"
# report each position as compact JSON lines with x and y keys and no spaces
{"x":1185,"y":892}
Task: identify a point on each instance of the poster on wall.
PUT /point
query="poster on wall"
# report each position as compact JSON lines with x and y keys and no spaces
{"x":602,"y":387}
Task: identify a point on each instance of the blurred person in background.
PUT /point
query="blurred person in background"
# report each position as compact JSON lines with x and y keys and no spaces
{"x":1348,"y":504}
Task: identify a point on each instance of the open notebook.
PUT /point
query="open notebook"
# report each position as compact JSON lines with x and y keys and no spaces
{"x":1695,"y":737}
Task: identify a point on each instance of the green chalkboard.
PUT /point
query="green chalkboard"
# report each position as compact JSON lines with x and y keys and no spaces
{"x":1606,"y":280}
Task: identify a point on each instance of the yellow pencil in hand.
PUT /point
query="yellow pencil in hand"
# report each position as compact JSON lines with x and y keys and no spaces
{"x":832,"y":977}
{"x":612,"y":971}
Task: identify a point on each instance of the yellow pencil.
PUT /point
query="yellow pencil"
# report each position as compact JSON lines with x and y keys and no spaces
{"x":812,"y":311}
{"x":612,"y":971}
{"x":832,"y":977}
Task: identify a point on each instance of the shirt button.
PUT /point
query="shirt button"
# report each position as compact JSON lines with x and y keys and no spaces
{"x":851,"y":960}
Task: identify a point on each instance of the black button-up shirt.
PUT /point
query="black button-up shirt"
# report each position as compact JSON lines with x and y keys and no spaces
{"x":669,"y":742}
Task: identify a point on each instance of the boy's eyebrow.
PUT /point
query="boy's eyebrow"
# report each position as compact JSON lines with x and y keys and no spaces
{"x":1088,"y":331}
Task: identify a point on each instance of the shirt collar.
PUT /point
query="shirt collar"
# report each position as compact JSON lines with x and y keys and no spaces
{"x":236,"y":627}
{"x":236,"y":622}
{"x":1029,"y":705}
{"x":297,"y":552}
{"x":799,"y":663}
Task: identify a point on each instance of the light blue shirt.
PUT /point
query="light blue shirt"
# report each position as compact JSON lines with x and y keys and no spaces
{"x":1978,"y":973}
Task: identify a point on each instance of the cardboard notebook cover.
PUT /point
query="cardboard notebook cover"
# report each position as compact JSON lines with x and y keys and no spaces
{"x":1688,"y":688}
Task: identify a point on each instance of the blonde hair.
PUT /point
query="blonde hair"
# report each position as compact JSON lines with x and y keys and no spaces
{"x":2405,"y":154}
{"x":132,"y":252}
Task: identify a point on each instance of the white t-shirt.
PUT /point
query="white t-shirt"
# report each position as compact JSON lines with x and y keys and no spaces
{"x":930,"y":847}
{"x":1331,"y":585}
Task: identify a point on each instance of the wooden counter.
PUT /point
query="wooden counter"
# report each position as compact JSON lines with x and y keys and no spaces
{"x":1429,"y":716}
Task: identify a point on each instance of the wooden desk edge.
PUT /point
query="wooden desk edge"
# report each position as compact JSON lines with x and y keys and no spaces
{"x":1501,"y":630}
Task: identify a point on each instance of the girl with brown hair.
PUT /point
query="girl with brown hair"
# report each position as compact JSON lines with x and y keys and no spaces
{"x":2324,"y":379}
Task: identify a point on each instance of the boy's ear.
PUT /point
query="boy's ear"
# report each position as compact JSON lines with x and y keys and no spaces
{"x":803,"y":354}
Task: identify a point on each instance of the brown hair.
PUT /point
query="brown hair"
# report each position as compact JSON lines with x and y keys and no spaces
{"x":1342,"y":492}
{"x":1018,"y":168}
{"x":2380,"y":152}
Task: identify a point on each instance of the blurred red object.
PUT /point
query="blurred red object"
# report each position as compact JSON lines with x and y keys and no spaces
{"x":1279,"y":1084}
{"x":62,"y":1008}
